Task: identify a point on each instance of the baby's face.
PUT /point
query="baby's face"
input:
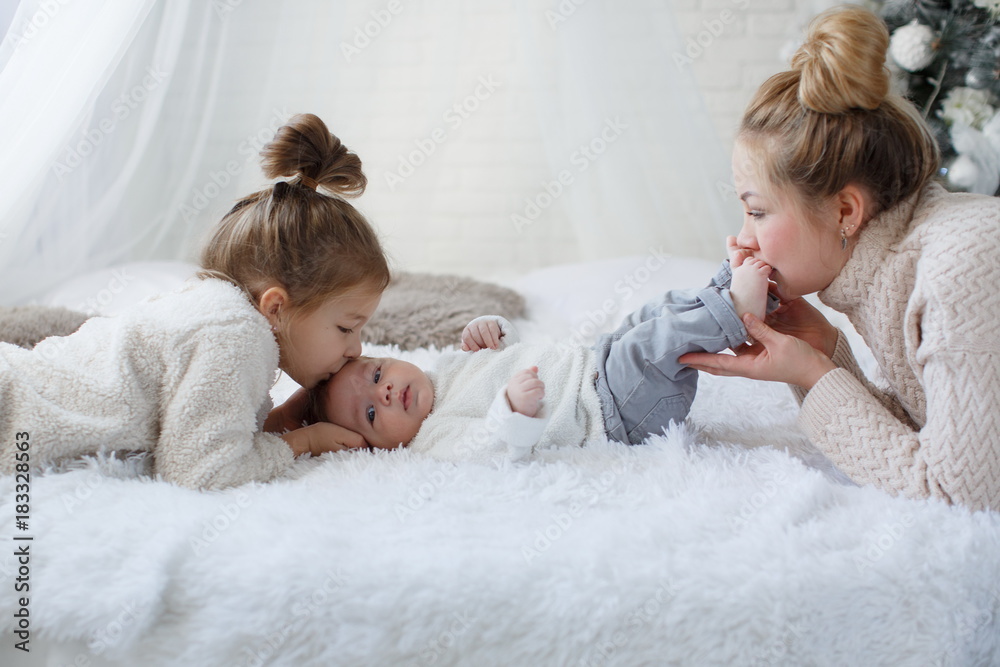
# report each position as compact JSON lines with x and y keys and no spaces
{"x":385,"y":400}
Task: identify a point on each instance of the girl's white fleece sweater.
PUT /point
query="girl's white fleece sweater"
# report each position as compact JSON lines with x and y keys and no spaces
{"x":184,"y":375}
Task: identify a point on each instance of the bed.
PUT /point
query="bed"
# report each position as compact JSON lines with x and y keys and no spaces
{"x":728,"y":540}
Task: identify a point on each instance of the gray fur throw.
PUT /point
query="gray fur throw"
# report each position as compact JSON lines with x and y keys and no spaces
{"x":417,"y":310}
{"x":27,"y":325}
{"x":422,"y":309}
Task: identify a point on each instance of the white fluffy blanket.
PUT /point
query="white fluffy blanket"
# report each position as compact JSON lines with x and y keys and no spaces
{"x":727,"y":541}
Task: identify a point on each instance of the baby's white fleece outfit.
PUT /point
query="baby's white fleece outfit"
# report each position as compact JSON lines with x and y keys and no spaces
{"x":184,"y":375}
{"x":472,"y":419}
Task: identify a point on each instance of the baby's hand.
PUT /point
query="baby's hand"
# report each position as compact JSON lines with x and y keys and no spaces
{"x":737,"y":255}
{"x":480,"y":334}
{"x":525,"y":392}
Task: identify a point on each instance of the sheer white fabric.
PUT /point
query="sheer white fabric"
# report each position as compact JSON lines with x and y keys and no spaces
{"x":610,"y":72}
{"x":497,"y":137}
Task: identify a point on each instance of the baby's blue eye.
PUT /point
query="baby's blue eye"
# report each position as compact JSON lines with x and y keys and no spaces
{"x":346,"y":330}
{"x":371,"y":414}
{"x":378,"y":375}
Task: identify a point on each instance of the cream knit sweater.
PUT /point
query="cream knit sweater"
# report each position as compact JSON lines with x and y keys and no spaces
{"x":185,"y":376}
{"x":922,"y":287}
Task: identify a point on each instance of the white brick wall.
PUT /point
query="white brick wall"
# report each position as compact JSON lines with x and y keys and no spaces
{"x":453,"y":213}
{"x":740,"y":53}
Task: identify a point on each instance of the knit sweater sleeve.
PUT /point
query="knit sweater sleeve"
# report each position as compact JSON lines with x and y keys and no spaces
{"x":209,"y":435}
{"x":955,"y":456}
{"x":844,"y":359}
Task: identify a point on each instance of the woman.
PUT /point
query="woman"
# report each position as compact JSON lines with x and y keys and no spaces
{"x":835,"y":175}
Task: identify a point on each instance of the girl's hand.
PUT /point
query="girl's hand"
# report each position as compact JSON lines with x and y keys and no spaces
{"x":801,"y":319}
{"x":525,"y":392}
{"x":322,"y":437}
{"x":775,"y":357}
{"x":481,"y":334}
{"x":289,"y":415}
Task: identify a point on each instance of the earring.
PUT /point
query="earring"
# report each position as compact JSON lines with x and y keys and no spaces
{"x":843,"y":236}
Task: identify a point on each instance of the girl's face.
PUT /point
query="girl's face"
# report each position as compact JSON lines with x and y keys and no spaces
{"x":317,"y":345}
{"x":805,"y":255}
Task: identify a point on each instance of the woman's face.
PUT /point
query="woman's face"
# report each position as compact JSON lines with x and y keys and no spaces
{"x":805,"y":255}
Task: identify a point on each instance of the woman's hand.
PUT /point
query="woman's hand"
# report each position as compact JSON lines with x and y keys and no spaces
{"x":775,"y":357}
{"x":322,"y":437}
{"x":801,"y":319}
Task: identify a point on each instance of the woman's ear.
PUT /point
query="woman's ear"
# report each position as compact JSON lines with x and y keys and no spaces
{"x":272,"y":302}
{"x":853,"y":204}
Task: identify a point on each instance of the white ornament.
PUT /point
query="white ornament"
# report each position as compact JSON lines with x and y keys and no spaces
{"x":991,"y":130}
{"x":977,"y":167}
{"x":912,"y":46}
{"x":963,"y":172}
{"x":967,"y":106}
{"x":992,"y":6}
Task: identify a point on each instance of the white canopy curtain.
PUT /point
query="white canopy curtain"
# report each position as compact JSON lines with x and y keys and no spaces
{"x":56,"y":59}
{"x":129,"y":128}
{"x":609,"y":70}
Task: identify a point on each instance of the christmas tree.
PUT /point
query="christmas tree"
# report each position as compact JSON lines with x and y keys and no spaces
{"x":948,"y":57}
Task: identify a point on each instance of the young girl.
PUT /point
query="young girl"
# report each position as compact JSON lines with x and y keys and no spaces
{"x":289,"y":278}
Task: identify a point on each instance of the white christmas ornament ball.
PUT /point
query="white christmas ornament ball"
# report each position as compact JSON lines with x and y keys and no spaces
{"x":991,"y":130}
{"x":963,"y":172}
{"x":912,"y":46}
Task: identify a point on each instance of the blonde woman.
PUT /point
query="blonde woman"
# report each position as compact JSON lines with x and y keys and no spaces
{"x":835,"y":174}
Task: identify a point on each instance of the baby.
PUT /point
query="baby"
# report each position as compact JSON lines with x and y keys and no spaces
{"x":504,"y":401}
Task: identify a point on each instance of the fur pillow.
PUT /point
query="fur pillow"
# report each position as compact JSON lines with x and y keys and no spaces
{"x":417,"y":310}
{"x":421,"y":309}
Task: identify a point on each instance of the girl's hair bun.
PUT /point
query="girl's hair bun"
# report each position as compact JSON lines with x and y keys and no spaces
{"x":304,"y":147}
{"x":842,"y":61}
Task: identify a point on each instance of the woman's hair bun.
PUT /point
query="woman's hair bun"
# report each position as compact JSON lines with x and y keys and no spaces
{"x":842,"y":61}
{"x":304,"y":147}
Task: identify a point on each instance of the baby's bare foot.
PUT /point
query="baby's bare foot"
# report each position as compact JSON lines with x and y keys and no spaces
{"x":749,"y":287}
{"x":737,"y":255}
